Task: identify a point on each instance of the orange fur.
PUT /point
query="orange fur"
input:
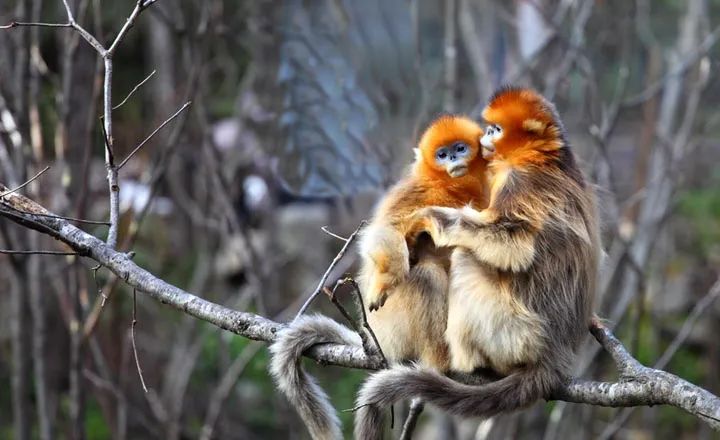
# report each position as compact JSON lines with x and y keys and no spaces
{"x":522,"y":273}
{"x":412,"y":323}
{"x":427,"y":184}
{"x":529,"y":126}
{"x":430,"y":185}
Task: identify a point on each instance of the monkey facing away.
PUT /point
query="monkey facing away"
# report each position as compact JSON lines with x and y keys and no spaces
{"x":408,"y":302}
{"x":523,"y":273}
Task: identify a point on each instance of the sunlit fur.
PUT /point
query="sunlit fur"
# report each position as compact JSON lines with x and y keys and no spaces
{"x":523,"y":273}
{"x":301,"y":389}
{"x":383,"y":243}
{"x":408,"y":272}
{"x":412,"y":320}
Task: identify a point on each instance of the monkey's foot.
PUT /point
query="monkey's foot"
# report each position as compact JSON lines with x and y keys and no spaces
{"x":378,"y":302}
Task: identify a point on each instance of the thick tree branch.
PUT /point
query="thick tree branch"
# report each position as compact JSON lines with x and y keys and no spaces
{"x":638,"y":385}
{"x":27,"y":213}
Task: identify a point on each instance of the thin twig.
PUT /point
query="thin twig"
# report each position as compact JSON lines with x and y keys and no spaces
{"x":358,"y":327}
{"x":126,"y":27}
{"x":13,"y":252}
{"x":100,"y":290}
{"x":24,"y":184}
{"x":325,"y":276}
{"x":83,"y":32}
{"x":71,"y":219}
{"x":416,"y":408}
{"x":167,"y":121}
{"x":135,"y":89}
{"x":363,"y":337}
{"x":364,"y":320}
{"x":332,"y":234}
{"x":132,"y":338}
{"x":24,"y":23}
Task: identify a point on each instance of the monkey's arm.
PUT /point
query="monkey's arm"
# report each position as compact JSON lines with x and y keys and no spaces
{"x":501,"y":241}
{"x":386,"y":262}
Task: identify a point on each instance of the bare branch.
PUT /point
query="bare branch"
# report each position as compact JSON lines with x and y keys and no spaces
{"x":24,"y":23}
{"x":639,"y":385}
{"x":140,"y":145}
{"x":135,"y":89}
{"x":416,"y":408}
{"x":676,"y":343}
{"x":13,"y":252}
{"x":625,"y":362}
{"x":83,"y":33}
{"x":680,"y":69}
{"x":334,"y":263}
{"x":332,"y":234}
{"x":27,"y":182}
{"x":139,"y":7}
{"x":132,"y":338}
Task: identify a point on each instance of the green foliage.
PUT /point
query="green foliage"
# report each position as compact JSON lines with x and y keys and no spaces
{"x":95,"y":424}
{"x":701,"y":207}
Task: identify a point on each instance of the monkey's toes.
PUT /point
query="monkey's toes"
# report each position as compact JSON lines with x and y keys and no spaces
{"x":375,"y":305}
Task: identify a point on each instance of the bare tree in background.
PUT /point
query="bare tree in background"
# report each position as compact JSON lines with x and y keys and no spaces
{"x":201,"y":146}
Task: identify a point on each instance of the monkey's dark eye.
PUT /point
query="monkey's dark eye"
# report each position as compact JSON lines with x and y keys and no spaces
{"x":460,"y":147}
{"x":498,"y":129}
{"x":442,"y":154}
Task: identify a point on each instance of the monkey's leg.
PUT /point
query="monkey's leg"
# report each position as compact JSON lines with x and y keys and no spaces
{"x":387,"y":259}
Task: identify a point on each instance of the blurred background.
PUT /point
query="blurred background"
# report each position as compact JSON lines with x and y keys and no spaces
{"x":302,"y":113}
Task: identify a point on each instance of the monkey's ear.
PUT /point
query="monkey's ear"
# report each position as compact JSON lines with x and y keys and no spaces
{"x":534,"y":126}
{"x":418,"y":154}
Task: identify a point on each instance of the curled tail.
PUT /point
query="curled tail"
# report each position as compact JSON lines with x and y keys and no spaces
{"x":386,"y":387}
{"x":301,"y":389}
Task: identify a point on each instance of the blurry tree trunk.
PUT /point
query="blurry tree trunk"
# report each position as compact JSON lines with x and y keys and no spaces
{"x":77,"y":110}
{"x":21,"y":347}
{"x":532,"y":31}
{"x":647,"y":133}
{"x":660,"y":181}
{"x":21,"y":356}
{"x":37,"y":308}
{"x":77,"y":391}
{"x":474,"y":41}
{"x":161,"y":50}
{"x":450,"y":55}
{"x":34,"y":268}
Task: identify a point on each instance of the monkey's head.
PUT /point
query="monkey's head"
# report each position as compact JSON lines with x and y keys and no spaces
{"x":450,"y":145}
{"x":521,"y":123}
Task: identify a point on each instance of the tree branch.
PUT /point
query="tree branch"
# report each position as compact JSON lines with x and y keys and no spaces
{"x":638,"y":385}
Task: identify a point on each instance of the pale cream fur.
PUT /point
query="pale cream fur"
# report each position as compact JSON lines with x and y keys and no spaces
{"x":411,"y":323}
{"x":488,"y":324}
{"x":386,"y":259}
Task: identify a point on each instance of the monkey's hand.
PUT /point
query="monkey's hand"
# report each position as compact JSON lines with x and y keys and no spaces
{"x":437,"y":221}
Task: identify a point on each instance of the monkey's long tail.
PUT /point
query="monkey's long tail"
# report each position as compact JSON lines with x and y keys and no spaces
{"x":386,"y":387}
{"x":301,"y":389}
